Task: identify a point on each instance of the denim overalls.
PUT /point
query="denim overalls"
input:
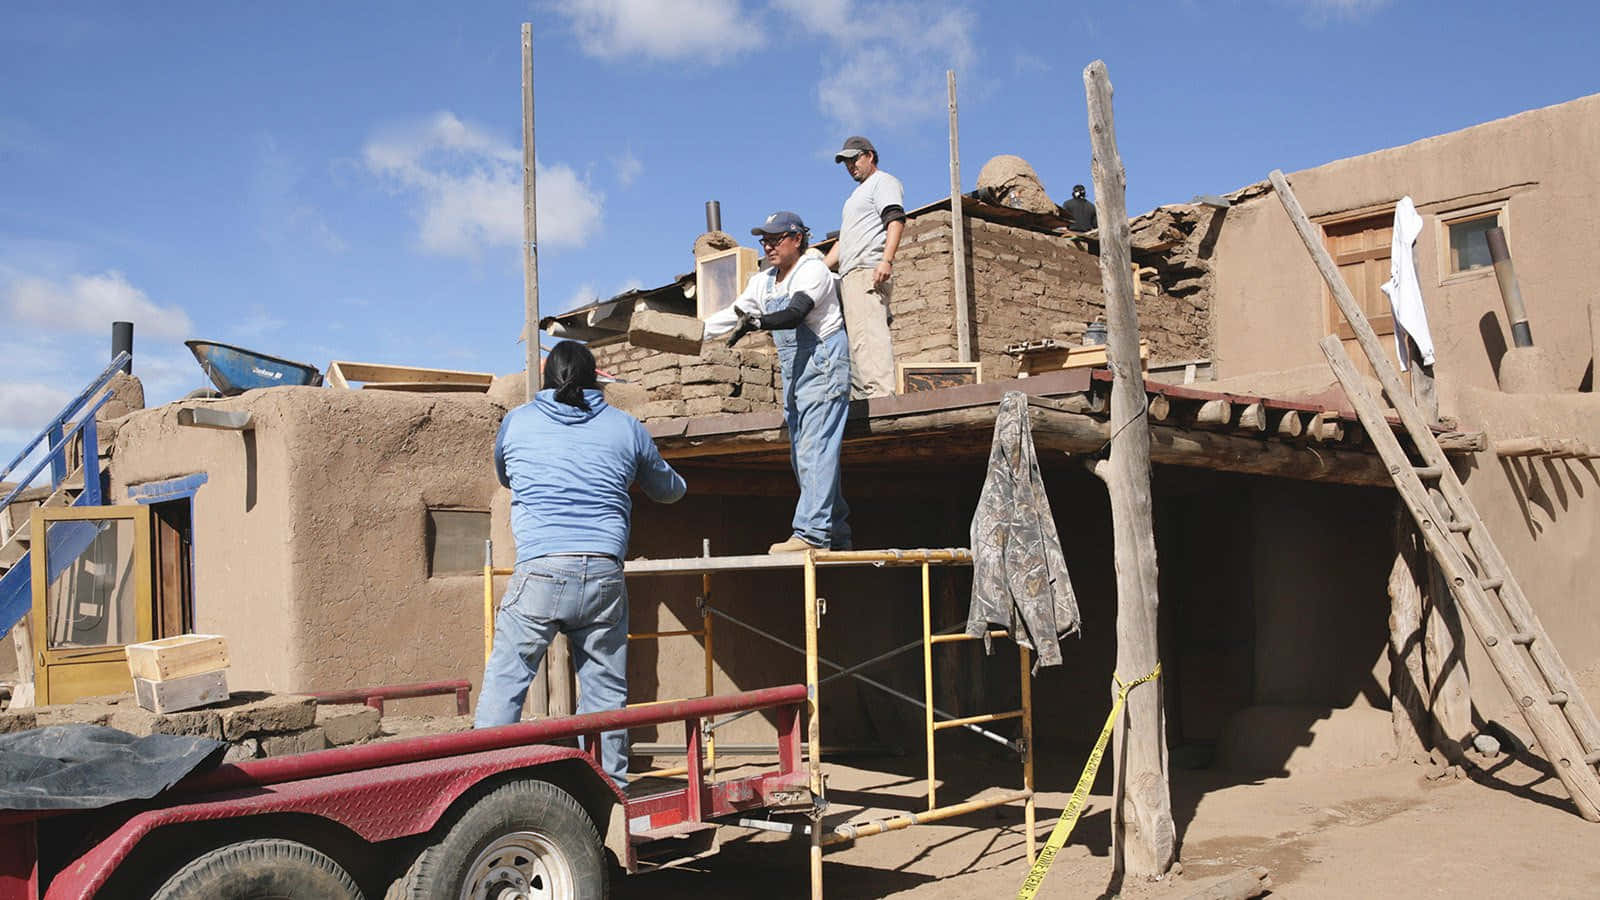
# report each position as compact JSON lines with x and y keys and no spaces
{"x":816,"y":398}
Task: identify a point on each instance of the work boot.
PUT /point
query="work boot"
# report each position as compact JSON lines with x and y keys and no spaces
{"x":795,"y":544}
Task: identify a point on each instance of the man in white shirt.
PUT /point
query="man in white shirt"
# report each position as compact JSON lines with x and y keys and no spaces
{"x":869,"y":236}
{"x":796,"y":299}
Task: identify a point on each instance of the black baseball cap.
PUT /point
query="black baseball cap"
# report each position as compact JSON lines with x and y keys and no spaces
{"x":854,"y":146}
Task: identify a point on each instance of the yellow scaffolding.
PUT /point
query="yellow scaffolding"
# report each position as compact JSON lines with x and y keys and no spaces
{"x":934,"y":720}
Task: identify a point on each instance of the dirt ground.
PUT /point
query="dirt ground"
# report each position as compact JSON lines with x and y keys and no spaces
{"x":1367,"y":832}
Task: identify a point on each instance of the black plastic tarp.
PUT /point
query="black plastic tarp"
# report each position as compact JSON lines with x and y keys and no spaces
{"x":88,"y":766}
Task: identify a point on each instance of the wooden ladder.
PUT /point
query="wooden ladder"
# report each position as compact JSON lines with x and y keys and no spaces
{"x":1488,"y":594}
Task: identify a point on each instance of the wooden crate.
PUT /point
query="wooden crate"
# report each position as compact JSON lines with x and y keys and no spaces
{"x":186,"y":692}
{"x":176,"y":657}
{"x":1052,"y":359}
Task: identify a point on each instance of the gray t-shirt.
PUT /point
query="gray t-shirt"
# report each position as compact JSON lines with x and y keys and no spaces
{"x":862,"y":232}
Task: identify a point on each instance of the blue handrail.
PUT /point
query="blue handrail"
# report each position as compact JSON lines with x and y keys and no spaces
{"x":52,"y":431}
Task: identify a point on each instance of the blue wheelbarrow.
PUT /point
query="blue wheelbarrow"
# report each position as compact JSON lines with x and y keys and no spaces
{"x":235,"y":370}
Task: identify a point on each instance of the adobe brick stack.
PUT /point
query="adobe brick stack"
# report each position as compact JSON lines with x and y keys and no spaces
{"x":718,"y":381}
{"x":1024,"y":284}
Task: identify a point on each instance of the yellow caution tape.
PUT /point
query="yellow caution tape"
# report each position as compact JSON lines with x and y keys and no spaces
{"x":1069,"y":816}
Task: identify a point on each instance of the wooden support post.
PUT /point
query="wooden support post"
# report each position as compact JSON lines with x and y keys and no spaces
{"x":1325,"y":427}
{"x":552,"y":685}
{"x":1444,"y":656}
{"x":1142,"y":831}
{"x":22,"y":694}
{"x":1290,"y":425}
{"x":958,"y":235}
{"x":1160,"y":407}
{"x":1407,"y":683}
{"x":1522,"y":446}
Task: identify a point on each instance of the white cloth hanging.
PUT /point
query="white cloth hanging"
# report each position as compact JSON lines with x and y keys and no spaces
{"x":1403,"y":289}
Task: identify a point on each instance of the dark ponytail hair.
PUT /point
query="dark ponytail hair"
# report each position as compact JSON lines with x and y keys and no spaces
{"x":569,"y":369}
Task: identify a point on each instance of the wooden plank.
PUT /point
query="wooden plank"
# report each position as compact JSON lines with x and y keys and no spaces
{"x":425,"y":387}
{"x":177,"y":657}
{"x":958,"y":236}
{"x":383,"y":373}
{"x":22,"y":694}
{"x":183,"y":693}
{"x":1144,"y":837}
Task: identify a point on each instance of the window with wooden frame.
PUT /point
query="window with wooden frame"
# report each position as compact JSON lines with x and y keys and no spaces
{"x":1360,"y":249}
{"x":1463,"y":239}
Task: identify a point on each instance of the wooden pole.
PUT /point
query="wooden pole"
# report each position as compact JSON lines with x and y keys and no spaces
{"x":552,"y":686}
{"x":958,"y":235}
{"x":1407,"y":683}
{"x":1142,"y":832}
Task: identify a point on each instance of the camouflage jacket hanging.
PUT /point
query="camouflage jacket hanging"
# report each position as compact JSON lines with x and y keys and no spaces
{"x":1019,"y":576}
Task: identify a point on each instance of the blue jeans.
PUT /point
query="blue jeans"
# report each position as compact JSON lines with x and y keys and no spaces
{"x":584,"y":597}
{"x":816,"y":399}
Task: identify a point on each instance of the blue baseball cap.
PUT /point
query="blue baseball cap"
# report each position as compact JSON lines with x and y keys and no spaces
{"x":781,"y":222}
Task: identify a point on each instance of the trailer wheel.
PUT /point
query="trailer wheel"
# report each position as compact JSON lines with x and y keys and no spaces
{"x":525,"y":839}
{"x":260,"y":870}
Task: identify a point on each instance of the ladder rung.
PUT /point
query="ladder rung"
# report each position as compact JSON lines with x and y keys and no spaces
{"x":1491,"y":584}
{"x":1522,"y":637}
{"x":1429,"y":473}
{"x":1459,"y":527}
{"x":1559,"y":698}
{"x":1593,"y":759}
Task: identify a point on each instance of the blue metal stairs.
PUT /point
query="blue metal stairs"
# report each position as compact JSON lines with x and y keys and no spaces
{"x":81,"y":487}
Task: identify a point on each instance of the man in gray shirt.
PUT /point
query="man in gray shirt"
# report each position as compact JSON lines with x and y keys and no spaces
{"x":874,"y":218}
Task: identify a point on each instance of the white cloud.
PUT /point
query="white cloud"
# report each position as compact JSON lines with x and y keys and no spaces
{"x":628,"y":167}
{"x":886,"y":62}
{"x":90,"y":303}
{"x":277,"y":191}
{"x":469,"y":187}
{"x":25,"y":407}
{"x":708,"y":31}
{"x":1320,"y":11}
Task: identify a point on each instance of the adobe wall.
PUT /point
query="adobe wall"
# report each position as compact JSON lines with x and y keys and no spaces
{"x":309,"y":546}
{"x":1023,"y":285}
{"x":1270,"y":301}
{"x":242,"y":521}
{"x":1544,"y":514}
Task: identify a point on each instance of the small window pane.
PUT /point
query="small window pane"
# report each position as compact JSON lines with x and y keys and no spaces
{"x":1469,"y":246}
{"x":91,"y":597}
{"x":455,"y":541}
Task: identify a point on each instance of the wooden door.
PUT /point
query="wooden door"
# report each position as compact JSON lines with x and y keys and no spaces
{"x":91,"y":598}
{"x":1361,"y":250}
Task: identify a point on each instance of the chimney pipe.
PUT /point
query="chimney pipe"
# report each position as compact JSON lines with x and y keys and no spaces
{"x":1505,"y":272}
{"x":713,"y":215}
{"x":122,"y":342}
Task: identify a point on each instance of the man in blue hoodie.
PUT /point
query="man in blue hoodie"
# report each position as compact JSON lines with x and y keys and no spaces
{"x":569,"y":460}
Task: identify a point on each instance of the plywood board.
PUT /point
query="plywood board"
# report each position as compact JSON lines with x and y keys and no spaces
{"x":341,"y":373}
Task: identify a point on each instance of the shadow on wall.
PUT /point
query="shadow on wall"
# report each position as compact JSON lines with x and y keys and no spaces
{"x":1547,"y":486}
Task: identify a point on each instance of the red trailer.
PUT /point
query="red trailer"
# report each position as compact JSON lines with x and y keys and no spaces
{"x":502,"y":812}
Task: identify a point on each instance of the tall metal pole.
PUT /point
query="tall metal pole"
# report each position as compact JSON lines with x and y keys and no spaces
{"x":958,"y":234}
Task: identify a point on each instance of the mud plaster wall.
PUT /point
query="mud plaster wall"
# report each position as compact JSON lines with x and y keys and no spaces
{"x":1544,"y":514}
{"x":312,"y":558}
{"x":1271,"y":305}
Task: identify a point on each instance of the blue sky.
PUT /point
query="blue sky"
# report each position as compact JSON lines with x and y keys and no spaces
{"x":342,"y":180}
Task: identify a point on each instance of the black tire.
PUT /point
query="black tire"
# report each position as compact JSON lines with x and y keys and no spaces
{"x":525,"y":834}
{"x":267,"y":869}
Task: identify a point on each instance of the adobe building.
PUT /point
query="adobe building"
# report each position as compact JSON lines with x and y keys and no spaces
{"x":338,"y":541}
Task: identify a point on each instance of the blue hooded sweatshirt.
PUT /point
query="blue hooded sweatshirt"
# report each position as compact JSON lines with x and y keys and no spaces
{"x":569,"y":471}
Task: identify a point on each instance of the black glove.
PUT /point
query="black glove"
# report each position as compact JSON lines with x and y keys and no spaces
{"x":747,"y":324}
